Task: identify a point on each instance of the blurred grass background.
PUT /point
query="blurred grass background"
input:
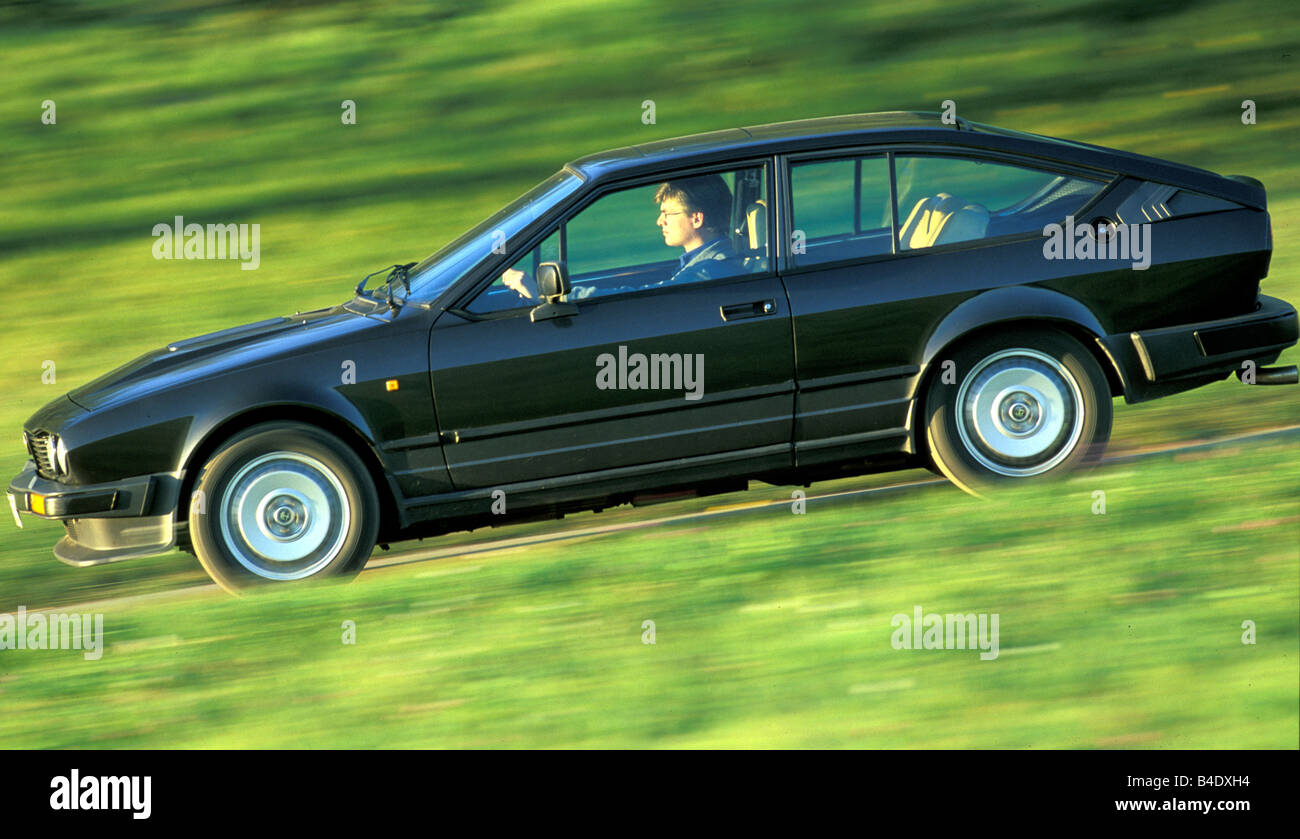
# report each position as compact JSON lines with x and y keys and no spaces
{"x":231,"y":113}
{"x":772,"y":629}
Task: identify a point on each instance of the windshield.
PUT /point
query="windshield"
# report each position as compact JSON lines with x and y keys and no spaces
{"x":435,"y":274}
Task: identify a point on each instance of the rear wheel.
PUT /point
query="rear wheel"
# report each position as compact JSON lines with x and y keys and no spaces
{"x":1033,"y":404}
{"x":282,"y":502}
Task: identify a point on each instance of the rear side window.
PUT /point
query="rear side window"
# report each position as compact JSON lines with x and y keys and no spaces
{"x":943,"y":200}
{"x":840,"y":209}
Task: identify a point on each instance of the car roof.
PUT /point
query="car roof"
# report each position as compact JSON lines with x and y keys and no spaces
{"x":926,"y":127}
{"x":782,"y":135}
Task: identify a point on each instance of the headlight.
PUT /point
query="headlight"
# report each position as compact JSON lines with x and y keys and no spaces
{"x":60,"y":455}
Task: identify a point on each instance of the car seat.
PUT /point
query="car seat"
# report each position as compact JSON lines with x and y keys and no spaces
{"x":942,"y":220}
{"x":754,"y":236}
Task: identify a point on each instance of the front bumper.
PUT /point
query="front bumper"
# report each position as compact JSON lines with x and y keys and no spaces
{"x":52,"y":500}
{"x":1160,"y":362}
{"x":124,"y":519}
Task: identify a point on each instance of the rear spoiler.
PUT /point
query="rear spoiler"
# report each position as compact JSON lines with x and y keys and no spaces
{"x":1257,"y":187}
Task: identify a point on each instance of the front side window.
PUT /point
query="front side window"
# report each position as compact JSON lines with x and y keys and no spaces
{"x":514,"y":288}
{"x":436,"y":273}
{"x":680,"y":230}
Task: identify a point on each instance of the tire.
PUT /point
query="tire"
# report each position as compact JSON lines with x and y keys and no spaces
{"x":283,"y":502}
{"x":1034,"y":405}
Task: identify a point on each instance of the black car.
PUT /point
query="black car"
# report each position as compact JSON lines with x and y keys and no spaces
{"x":814,"y":299}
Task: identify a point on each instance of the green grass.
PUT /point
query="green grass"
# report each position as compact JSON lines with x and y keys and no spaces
{"x":772,"y":629}
{"x":231,"y":114}
{"x":220,"y":114}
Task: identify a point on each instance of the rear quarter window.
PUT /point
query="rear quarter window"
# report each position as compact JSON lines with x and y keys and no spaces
{"x":943,"y":200}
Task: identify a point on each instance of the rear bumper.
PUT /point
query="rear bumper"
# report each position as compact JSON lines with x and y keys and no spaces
{"x":1218,"y":346}
{"x":1178,"y":358}
{"x":124,"y":519}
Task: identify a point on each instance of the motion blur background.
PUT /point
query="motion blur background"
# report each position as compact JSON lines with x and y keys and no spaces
{"x":1121,"y":629}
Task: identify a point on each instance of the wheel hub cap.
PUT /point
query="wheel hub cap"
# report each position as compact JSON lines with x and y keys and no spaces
{"x":1019,"y":412}
{"x":284,"y":516}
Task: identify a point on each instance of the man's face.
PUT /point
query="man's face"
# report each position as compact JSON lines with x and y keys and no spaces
{"x":680,"y":228}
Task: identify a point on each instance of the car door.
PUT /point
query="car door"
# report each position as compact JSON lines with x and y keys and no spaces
{"x":650,"y":375}
{"x":883,"y":244}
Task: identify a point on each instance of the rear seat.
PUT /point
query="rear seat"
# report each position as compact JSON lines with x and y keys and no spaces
{"x":942,"y":220}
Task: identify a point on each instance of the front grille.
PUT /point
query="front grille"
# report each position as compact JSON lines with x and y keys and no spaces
{"x":41,"y":446}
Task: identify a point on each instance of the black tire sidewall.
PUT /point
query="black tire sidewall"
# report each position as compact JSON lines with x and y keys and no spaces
{"x":214,"y":479}
{"x":946,"y":447}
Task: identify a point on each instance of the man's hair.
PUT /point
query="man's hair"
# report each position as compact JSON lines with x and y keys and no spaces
{"x":706,"y":194}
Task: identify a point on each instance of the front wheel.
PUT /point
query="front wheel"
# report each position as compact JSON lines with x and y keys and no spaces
{"x":1029,"y":405}
{"x":282,"y":502}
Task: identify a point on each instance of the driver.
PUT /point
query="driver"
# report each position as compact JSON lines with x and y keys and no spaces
{"x":693,"y":215}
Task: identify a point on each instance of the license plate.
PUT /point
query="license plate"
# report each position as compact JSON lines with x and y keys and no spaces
{"x":13,"y":507}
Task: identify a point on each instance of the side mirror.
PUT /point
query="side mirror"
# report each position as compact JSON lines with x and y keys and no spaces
{"x":552,"y":281}
{"x":552,"y":284}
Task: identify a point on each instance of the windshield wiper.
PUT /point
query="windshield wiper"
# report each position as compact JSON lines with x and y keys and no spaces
{"x":397,"y":273}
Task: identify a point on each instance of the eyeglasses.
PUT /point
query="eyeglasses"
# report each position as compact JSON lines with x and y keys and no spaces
{"x":662,"y":214}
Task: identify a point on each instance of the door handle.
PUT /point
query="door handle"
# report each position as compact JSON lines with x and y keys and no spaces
{"x":756,"y":309}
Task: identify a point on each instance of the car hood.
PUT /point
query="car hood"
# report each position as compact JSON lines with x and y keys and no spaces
{"x":193,"y":358}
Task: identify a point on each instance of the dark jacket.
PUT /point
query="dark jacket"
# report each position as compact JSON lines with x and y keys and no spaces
{"x":707,"y":262}
{"x":710,"y":261}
